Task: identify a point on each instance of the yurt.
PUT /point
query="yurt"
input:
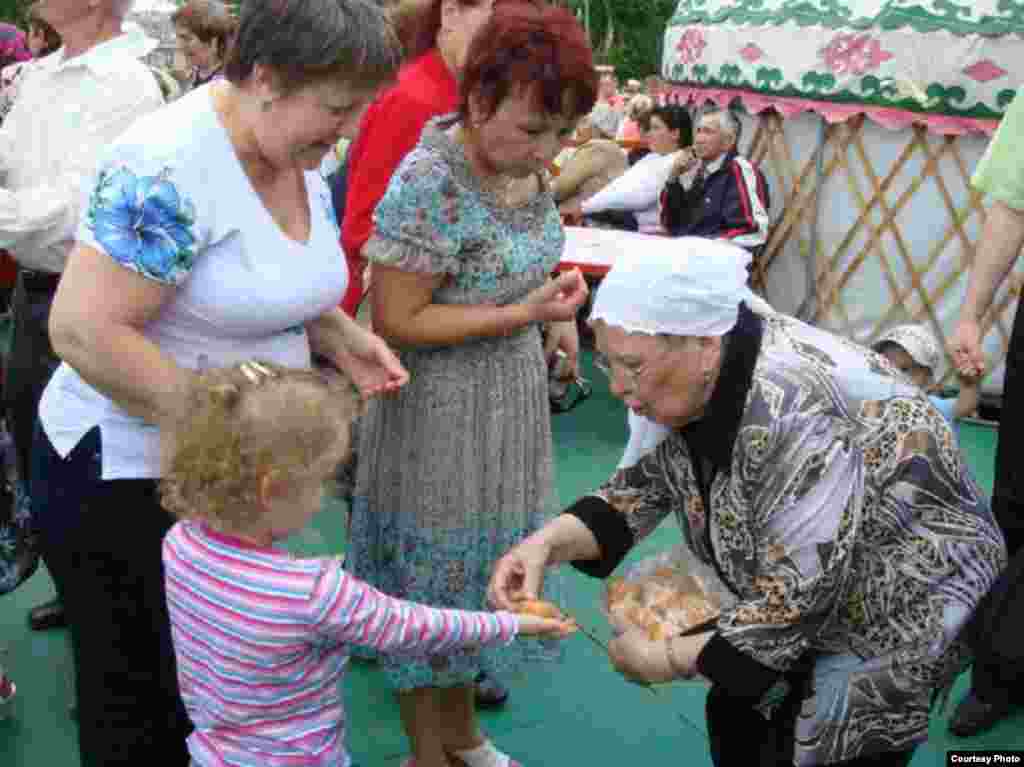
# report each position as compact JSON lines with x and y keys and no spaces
{"x":868,"y":118}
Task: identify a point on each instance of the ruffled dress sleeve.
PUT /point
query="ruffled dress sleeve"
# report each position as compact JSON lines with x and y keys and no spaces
{"x":417,"y":222}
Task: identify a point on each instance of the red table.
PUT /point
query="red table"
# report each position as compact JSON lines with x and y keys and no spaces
{"x":594,"y":251}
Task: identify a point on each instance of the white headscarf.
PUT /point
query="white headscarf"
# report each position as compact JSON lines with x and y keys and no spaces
{"x":915,"y":340}
{"x":683,"y":286}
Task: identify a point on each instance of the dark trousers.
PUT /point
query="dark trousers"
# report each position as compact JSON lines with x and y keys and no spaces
{"x":995,"y":634}
{"x":739,"y":735}
{"x":998,"y":624}
{"x":998,"y":680}
{"x":102,"y":542}
{"x":31,"y":362}
{"x":1008,"y":487}
{"x":616,"y":219}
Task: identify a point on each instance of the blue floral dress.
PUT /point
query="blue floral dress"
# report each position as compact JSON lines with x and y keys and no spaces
{"x":457,"y":468}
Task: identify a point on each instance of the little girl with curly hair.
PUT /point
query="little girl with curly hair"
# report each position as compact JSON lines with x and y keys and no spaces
{"x":262,"y":638}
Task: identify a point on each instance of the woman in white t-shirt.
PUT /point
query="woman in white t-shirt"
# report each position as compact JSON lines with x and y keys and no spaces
{"x":208,"y":239}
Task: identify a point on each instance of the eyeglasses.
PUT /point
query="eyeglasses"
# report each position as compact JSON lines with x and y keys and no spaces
{"x":632,"y":373}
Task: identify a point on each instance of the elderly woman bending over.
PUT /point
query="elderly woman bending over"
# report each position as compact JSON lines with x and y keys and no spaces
{"x":824,"y":488}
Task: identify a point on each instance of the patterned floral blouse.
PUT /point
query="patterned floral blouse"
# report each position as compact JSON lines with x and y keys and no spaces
{"x":833,"y":500}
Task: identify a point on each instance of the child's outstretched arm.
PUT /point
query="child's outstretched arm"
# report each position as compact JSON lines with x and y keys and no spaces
{"x":350,"y":610}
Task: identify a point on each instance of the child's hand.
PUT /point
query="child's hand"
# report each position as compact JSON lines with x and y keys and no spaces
{"x":538,"y":608}
{"x":554,"y":628}
{"x":540,"y":618}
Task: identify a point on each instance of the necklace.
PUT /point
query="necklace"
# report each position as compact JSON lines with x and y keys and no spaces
{"x":509,"y":191}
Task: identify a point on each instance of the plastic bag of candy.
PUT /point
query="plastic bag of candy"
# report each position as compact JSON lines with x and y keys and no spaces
{"x":669,"y":594}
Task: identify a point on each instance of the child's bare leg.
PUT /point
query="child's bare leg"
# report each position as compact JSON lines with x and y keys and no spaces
{"x":423,"y":720}
{"x":465,"y":743}
{"x":461,"y":730}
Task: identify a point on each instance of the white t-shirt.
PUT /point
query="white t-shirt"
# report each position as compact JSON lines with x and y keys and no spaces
{"x":172,"y":203}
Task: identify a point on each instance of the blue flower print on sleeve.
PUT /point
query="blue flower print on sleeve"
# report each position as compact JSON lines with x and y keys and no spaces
{"x":144,"y":223}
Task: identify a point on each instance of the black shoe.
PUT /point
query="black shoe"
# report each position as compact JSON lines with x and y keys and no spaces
{"x":974,"y":716}
{"x":49,"y":615}
{"x":489,"y":692}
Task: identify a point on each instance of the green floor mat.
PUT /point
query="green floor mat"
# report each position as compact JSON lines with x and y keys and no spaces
{"x":580,"y":712}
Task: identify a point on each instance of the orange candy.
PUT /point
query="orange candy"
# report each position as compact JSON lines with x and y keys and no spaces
{"x":540,"y":609}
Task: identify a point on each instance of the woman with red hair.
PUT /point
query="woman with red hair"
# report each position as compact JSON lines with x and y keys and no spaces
{"x":460,"y":464}
{"x":435,"y":35}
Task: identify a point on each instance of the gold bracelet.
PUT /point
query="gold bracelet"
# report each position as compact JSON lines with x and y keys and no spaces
{"x":673,"y":664}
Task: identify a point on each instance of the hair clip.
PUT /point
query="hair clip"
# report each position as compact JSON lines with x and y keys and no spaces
{"x":262,"y":369}
{"x":250,"y":373}
{"x":256,"y":371}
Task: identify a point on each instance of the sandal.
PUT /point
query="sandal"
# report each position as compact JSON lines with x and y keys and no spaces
{"x":488,"y":692}
{"x":566,"y":395}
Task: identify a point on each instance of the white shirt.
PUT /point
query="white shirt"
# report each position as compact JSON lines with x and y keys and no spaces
{"x":644,"y":436}
{"x":172,"y":202}
{"x":66,"y":112}
{"x":637,"y":190}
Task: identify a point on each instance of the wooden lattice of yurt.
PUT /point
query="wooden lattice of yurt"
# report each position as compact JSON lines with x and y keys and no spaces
{"x":868,"y":118}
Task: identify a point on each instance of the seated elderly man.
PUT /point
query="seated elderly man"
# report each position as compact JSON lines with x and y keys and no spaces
{"x":727,"y":197}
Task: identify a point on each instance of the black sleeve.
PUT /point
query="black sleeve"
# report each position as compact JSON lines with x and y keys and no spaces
{"x":681,"y":206}
{"x":337,"y":182}
{"x":736,"y":674}
{"x":674,"y":202}
{"x":609,"y":528}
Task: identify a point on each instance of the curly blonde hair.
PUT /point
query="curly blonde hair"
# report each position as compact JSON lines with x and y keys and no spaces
{"x":247,"y":422}
{"x":640,"y":107}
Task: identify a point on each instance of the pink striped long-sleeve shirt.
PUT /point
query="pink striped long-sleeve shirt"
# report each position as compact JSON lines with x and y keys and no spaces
{"x":261,"y":643}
